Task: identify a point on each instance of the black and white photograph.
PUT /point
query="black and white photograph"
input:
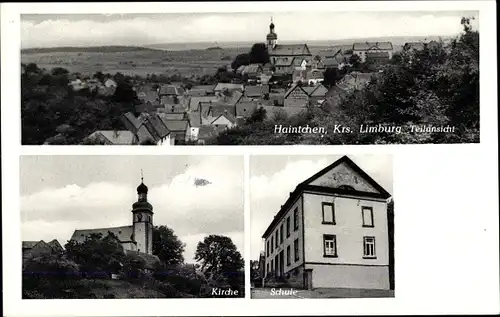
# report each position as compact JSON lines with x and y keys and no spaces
{"x":322,"y":226}
{"x":119,"y":227}
{"x":250,"y":78}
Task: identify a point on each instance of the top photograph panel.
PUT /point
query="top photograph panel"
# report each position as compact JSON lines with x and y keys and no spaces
{"x":270,"y":78}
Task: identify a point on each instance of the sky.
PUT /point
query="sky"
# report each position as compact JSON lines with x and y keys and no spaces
{"x":50,"y":30}
{"x":272,"y":178}
{"x":62,"y":193}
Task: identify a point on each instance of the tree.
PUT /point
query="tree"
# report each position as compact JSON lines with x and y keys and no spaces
{"x":97,"y":256}
{"x":100,"y":76}
{"x":258,"y":115}
{"x":125,"y":93}
{"x":32,"y":68}
{"x":218,"y":256}
{"x":259,"y":54}
{"x":240,"y":60}
{"x":167,"y":246}
{"x":355,"y":61}
{"x":57,"y":71}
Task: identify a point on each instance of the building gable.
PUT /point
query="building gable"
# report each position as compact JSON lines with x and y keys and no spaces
{"x":296,"y":92}
{"x":345,"y":174}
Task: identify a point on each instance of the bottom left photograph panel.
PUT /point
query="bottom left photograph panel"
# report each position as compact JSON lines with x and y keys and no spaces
{"x":132,"y":226}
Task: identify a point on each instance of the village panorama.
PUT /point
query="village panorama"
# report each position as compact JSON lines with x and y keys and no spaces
{"x":265,"y":93}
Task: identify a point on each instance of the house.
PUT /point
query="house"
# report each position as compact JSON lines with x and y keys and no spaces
{"x":256,"y":92}
{"x":296,"y":96}
{"x":149,"y":96}
{"x":337,"y":60}
{"x":221,"y":87}
{"x":110,"y":137}
{"x":253,"y":71}
{"x":170,"y":90}
{"x":225,"y":119}
{"x":31,"y":249}
{"x":231,"y":97}
{"x":201,"y":90}
{"x":179,"y":129}
{"x":314,"y":77}
{"x":377,"y":51}
{"x":194,"y":102}
{"x":331,"y":232}
{"x":316,"y":93}
{"x":148,"y":129}
{"x":136,"y":237}
{"x":208,"y":132}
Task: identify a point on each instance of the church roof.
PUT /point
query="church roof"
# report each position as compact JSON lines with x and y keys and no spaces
{"x":291,"y":50}
{"x":124,"y":234}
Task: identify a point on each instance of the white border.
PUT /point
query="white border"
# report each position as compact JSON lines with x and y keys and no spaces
{"x":446,"y":195}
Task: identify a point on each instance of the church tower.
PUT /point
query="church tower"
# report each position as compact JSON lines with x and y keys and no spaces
{"x":272,"y":37}
{"x":142,"y":213}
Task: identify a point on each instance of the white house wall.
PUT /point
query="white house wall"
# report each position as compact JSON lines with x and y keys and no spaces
{"x":294,"y":234}
{"x":349,"y":276}
{"x":348,"y":229}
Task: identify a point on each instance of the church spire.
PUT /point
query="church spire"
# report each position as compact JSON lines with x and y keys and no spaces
{"x":142,"y":190}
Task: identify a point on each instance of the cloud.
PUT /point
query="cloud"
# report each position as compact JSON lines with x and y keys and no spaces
{"x":74,"y":30}
{"x":191,"y":211}
{"x":269,"y":192}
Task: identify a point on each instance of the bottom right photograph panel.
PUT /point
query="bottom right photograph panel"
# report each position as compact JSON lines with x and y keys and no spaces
{"x":322,"y":226}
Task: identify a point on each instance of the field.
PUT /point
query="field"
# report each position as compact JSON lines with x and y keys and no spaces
{"x":186,"y":63}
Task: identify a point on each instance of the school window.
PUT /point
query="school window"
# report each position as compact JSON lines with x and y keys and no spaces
{"x":296,"y":249}
{"x":288,"y":227}
{"x":281,"y":234}
{"x":296,"y":218}
{"x":276,"y":239}
{"x":329,"y":245}
{"x":288,"y":257}
{"x":267,"y":249}
{"x":367,"y":216}
{"x":272,"y":244}
{"x":328,"y":213}
{"x":369,"y":247}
